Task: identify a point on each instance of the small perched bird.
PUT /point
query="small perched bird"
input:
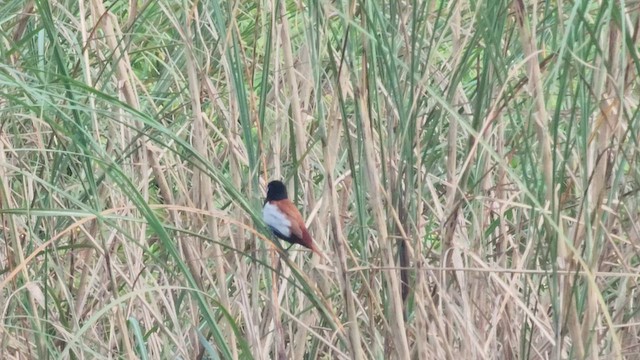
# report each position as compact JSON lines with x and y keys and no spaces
{"x":284,"y":219}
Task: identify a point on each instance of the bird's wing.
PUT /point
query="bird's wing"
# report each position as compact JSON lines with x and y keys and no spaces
{"x":298,"y":229}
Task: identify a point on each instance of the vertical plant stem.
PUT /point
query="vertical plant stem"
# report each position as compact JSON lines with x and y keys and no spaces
{"x":375,"y":202}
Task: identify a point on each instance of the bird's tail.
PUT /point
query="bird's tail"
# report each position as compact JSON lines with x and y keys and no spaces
{"x":316,"y":250}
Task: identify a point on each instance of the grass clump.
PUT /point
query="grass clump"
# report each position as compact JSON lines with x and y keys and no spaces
{"x":470,"y":169}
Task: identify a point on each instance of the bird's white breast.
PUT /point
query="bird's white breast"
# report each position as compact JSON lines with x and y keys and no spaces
{"x":276,"y":219}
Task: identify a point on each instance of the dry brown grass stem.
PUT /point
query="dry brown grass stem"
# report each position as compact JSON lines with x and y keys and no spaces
{"x":340,"y":243}
{"x":375,"y":202}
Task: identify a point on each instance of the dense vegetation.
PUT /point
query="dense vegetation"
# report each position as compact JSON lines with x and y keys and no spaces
{"x":470,"y":169}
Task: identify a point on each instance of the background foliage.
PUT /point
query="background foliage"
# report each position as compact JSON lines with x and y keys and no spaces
{"x":470,"y":169}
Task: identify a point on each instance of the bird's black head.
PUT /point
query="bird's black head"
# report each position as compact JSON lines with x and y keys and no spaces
{"x":276,"y":191}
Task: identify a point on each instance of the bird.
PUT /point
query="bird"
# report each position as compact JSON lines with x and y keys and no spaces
{"x":284,"y":219}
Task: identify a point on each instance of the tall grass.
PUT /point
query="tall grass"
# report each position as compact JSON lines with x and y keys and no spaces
{"x":470,"y":169}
